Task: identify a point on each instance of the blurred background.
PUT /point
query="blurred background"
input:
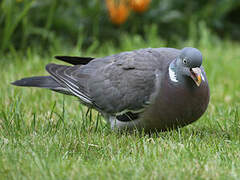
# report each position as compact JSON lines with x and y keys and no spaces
{"x":46,"y":135}
{"x":62,"y":24}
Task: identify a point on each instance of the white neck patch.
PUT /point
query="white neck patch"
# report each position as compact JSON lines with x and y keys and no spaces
{"x":202,"y":77}
{"x":172,"y":74}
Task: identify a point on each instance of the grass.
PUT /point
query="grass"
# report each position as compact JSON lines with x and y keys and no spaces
{"x":45,"y":135}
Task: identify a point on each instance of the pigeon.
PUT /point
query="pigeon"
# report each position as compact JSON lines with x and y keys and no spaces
{"x":150,"y":89}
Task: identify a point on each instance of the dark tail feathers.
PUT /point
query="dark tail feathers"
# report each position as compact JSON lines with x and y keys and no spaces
{"x":75,"y":60}
{"x":42,"y":82}
{"x":37,"y":81}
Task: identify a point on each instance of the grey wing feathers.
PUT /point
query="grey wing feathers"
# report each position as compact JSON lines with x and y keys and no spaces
{"x":126,"y":82}
{"x":72,"y":78}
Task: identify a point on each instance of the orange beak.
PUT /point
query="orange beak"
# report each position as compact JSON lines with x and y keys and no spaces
{"x":196,"y":75}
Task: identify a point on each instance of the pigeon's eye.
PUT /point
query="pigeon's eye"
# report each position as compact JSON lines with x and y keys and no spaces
{"x":184,"y":61}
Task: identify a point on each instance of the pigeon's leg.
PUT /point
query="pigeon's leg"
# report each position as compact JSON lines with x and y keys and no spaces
{"x":106,"y":117}
{"x":115,"y":124}
{"x":121,"y":125}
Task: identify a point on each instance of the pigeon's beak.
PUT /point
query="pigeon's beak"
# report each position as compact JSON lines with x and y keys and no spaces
{"x":196,"y":75}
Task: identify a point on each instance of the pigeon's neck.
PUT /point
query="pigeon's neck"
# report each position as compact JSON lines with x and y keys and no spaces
{"x":172,"y":70}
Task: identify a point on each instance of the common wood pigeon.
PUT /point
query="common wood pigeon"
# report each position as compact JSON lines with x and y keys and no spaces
{"x":150,"y":89}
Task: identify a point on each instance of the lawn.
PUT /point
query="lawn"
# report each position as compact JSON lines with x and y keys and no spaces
{"x":46,"y":135}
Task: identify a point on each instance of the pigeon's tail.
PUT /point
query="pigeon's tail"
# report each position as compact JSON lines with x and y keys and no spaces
{"x":42,"y":82}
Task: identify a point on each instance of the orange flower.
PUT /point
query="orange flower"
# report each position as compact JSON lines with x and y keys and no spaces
{"x":139,"y":5}
{"x":118,"y":11}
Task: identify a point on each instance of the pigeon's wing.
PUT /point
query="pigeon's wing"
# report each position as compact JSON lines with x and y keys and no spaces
{"x":127,"y":80}
{"x":73,"y":78}
{"x":115,"y":84}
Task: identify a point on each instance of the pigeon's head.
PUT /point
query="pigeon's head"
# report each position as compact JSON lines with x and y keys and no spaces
{"x":189,"y":62}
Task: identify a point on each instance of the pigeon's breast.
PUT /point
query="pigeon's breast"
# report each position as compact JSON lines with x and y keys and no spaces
{"x":177,"y":105}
